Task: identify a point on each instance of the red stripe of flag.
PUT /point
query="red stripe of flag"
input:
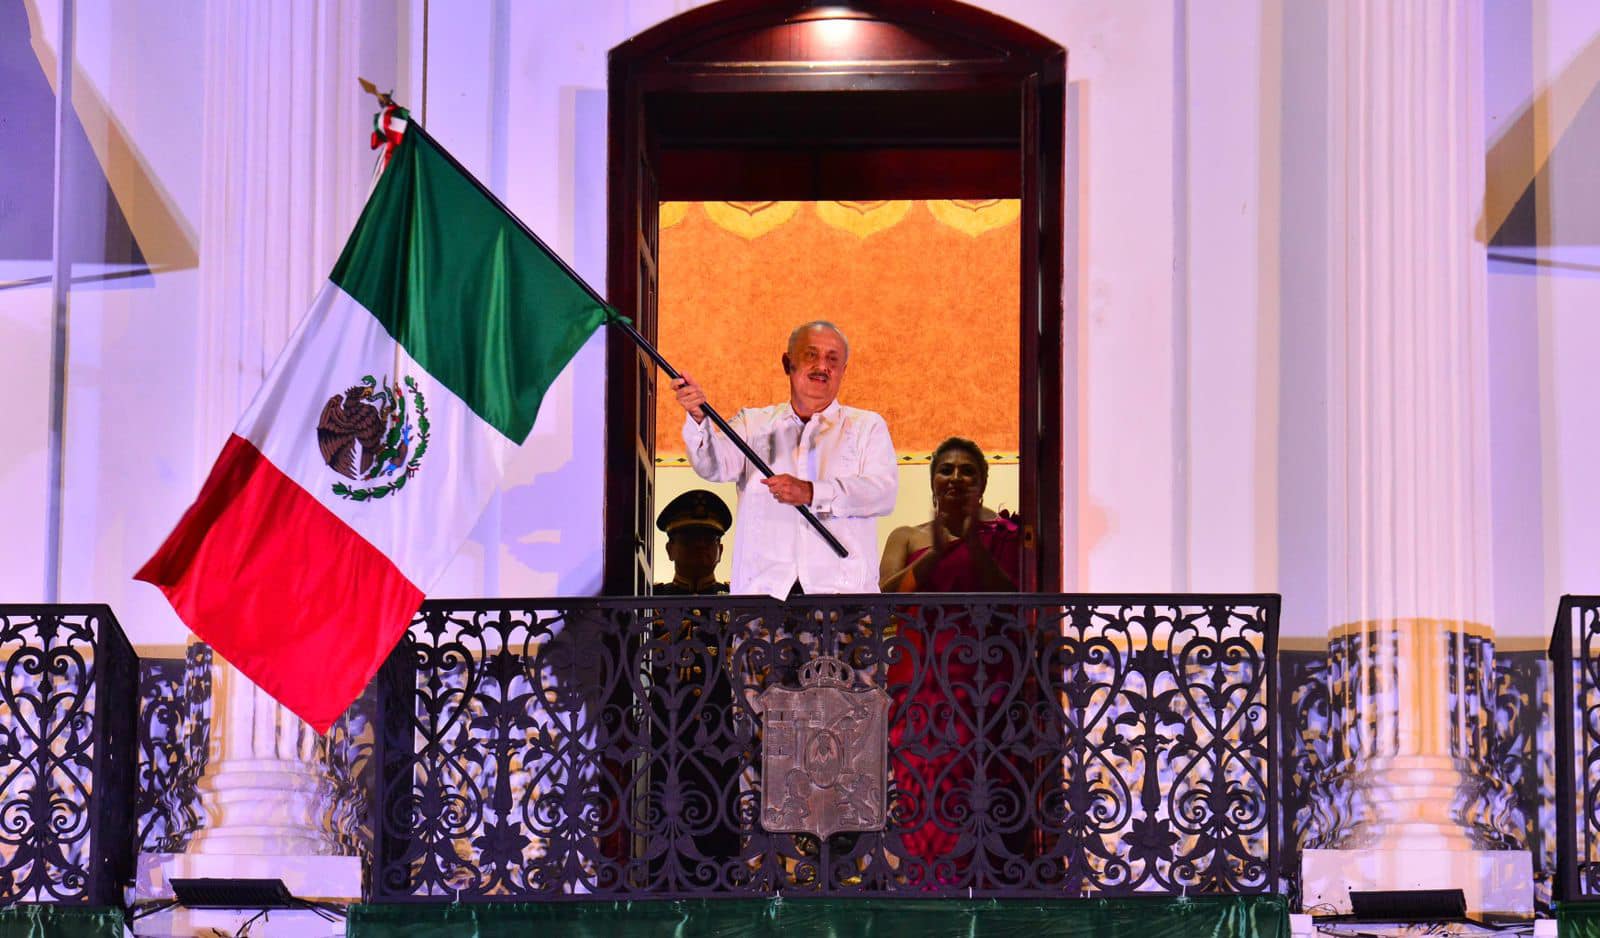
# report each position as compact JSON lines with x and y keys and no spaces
{"x":281,"y":588}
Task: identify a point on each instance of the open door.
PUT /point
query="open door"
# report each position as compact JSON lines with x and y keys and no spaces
{"x":1043,"y":155}
{"x":867,"y":100}
{"x":631,"y":284}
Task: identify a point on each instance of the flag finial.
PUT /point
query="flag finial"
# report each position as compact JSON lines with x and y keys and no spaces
{"x":385,"y":98}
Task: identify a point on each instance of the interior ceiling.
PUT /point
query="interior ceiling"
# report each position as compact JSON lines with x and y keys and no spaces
{"x":837,"y":145}
{"x":837,"y":118}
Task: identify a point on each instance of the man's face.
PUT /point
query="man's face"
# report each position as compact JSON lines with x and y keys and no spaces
{"x":815,"y":363}
{"x":695,"y":552}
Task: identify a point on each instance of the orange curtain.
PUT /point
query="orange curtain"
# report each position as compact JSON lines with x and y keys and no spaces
{"x":926,"y":292}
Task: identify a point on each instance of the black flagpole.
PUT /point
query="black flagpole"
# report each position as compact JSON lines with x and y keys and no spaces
{"x":627,"y":328}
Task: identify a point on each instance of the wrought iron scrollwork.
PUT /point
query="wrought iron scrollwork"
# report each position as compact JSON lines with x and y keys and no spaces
{"x":1522,"y":754}
{"x":1313,"y":811}
{"x":66,"y":754}
{"x":174,"y":736}
{"x":1490,"y":712}
{"x":346,"y":753}
{"x":1039,"y":745}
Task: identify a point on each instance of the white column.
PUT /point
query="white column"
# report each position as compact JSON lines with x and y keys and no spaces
{"x":266,"y":800}
{"x":266,"y":805}
{"x":265,"y":791}
{"x":1408,"y":488}
{"x":286,"y":171}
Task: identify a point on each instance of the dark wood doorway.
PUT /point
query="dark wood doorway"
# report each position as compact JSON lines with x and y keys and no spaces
{"x":869,"y":99}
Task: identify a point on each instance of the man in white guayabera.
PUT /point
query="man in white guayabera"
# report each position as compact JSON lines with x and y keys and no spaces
{"x":835,"y":459}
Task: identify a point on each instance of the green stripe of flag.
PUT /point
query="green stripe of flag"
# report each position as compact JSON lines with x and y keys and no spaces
{"x":457,"y":282}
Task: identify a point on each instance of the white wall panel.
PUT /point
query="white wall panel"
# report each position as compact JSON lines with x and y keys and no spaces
{"x":25,"y":386}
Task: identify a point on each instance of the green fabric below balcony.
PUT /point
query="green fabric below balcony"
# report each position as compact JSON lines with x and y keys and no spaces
{"x":1578,"y":919}
{"x":60,"y":921}
{"x":1205,"y":917}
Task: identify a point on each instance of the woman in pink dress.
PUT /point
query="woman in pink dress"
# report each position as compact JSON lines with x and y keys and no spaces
{"x":948,"y":696}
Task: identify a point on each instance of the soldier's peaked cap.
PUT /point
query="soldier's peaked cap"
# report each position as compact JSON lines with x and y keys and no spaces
{"x":696,"y":508}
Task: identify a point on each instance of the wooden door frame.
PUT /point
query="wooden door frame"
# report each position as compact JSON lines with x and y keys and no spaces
{"x":750,"y":46}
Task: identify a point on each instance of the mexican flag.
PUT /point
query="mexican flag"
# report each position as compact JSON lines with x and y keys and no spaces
{"x":380,"y":434}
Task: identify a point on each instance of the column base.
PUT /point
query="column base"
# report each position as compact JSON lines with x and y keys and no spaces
{"x":1494,"y":881}
{"x":262,"y":806}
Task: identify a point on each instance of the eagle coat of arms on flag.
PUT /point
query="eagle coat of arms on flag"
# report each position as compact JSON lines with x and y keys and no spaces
{"x":365,"y":434}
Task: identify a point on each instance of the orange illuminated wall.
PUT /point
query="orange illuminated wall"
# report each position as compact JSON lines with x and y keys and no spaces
{"x":926,"y":291}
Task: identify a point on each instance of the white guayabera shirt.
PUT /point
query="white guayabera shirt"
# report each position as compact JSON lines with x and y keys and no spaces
{"x":846,"y":455}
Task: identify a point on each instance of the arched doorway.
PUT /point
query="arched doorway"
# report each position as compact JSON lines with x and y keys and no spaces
{"x":755,"y":100}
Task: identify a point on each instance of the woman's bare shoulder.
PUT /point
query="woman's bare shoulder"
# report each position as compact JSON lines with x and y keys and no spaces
{"x":900,"y":534}
{"x":909,"y":534}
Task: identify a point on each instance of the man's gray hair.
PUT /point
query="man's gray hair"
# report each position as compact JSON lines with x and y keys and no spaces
{"x":805,"y":327}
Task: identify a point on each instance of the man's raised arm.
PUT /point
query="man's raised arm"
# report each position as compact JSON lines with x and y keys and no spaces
{"x":714,"y":457}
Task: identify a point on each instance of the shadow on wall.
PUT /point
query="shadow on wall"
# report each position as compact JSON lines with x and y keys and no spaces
{"x":1548,"y":152}
{"x":122,"y":222}
{"x":551,"y":522}
{"x":564,"y":499}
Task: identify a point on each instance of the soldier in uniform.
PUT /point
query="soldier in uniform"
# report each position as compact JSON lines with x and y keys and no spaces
{"x":706,"y":753}
{"x":694,"y":523}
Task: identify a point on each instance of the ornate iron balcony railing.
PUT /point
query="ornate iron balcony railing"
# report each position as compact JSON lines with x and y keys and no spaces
{"x":1575,"y":657}
{"x":1065,"y":745}
{"x":67,"y":759}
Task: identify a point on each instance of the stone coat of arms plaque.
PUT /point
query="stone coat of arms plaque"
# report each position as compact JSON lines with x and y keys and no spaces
{"x":824,"y":753}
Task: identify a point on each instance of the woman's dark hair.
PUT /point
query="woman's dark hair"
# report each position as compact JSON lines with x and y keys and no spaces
{"x":966,"y":446}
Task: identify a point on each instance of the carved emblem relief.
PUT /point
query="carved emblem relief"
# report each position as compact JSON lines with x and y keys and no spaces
{"x":824,"y":758}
